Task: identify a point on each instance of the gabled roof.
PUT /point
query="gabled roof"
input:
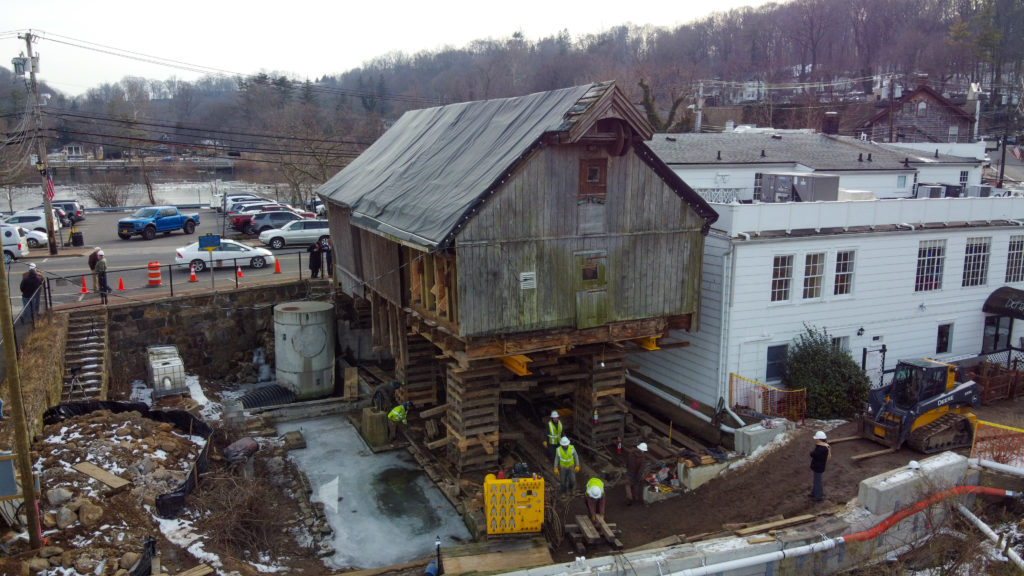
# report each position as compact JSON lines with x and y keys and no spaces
{"x":883,"y":114}
{"x":430,"y":171}
{"x":820,"y":152}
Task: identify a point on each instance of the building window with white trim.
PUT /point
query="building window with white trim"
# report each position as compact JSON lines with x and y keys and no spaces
{"x":901,"y":181}
{"x":1015,"y":260}
{"x":814,"y":271}
{"x":758,"y":185}
{"x":976,"y":262}
{"x":963,"y":181}
{"x":782,"y":277}
{"x":943,"y":339}
{"x":776,"y":362}
{"x":841,"y":343}
{"x":931,"y":257}
{"x":844,"y":273}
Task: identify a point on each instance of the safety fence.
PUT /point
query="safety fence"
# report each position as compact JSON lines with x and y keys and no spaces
{"x":758,"y":400}
{"x":998,"y":443}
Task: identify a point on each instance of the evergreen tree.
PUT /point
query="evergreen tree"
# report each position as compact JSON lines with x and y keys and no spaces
{"x":836,"y":386}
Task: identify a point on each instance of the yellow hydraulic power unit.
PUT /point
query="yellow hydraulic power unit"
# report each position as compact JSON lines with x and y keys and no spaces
{"x":513,"y":506}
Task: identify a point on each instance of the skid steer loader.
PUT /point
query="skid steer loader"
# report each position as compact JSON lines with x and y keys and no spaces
{"x":924,"y":406}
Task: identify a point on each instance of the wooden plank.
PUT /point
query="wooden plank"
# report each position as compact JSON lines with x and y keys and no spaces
{"x":872,"y":454}
{"x":607,"y":533}
{"x":760,"y":539}
{"x":497,"y":561}
{"x":795,"y":520}
{"x":844,"y":439}
{"x":351,"y":392}
{"x":487,"y":445}
{"x":90,"y":469}
{"x":435,"y":411}
{"x":201,"y":570}
{"x":439,"y":443}
{"x":587,"y":528}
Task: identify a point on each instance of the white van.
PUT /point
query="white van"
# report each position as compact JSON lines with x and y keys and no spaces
{"x":14,"y":242}
{"x":33,"y":220}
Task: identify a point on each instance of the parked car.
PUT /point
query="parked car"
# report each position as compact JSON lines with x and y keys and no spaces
{"x":243,"y":220}
{"x":62,"y":211}
{"x":14,"y":243}
{"x":230,"y":254}
{"x":73,"y":209}
{"x":221,"y":202}
{"x":33,"y":220}
{"x":35,"y":238}
{"x":243,"y":204}
{"x":146,"y":222}
{"x":267,"y":220}
{"x":300,"y":232}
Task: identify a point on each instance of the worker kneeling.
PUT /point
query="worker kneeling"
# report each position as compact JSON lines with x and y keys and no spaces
{"x":398,"y":415}
{"x":595,"y":499}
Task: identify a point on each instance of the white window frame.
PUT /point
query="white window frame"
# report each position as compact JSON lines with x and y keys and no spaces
{"x":1015,"y":259}
{"x":977,"y":254}
{"x":931,"y":261}
{"x":844,"y":277}
{"x":814,"y":275}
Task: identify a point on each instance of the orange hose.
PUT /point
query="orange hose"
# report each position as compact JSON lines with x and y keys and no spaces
{"x":891,"y":521}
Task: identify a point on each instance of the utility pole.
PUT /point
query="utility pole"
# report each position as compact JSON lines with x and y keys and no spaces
{"x":700,"y":108}
{"x":51,"y":238}
{"x":28,"y":485}
{"x":892,"y":106}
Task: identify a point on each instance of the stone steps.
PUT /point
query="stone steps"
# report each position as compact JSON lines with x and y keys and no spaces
{"x":84,"y":357}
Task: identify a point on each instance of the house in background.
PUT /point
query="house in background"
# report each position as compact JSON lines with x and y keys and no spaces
{"x":921,"y":115}
{"x":729,"y":166}
{"x":887,"y":279}
{"x":519,"y":246}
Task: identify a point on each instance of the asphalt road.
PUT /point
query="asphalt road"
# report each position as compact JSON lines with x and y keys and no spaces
{"x":129,"y":263}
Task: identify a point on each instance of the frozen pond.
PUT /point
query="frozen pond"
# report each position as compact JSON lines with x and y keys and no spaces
{"x":165,"y":193}
{"x":383,"y":507}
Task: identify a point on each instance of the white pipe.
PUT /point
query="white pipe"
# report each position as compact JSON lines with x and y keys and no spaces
{"x":745,"y":235}
{"x":1006,"y":469}
{"x":991,"y":535}
{"x":906,"y":225}
{"x":679,"y":403}
{"x":760,"y":559}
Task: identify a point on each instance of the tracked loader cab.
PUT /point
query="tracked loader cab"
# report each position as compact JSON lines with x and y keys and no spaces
{"x":924,"y":406}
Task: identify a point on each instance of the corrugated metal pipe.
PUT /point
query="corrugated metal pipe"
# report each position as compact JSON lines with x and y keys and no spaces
{"x":679,"y":404}
{"x":831,"y":543}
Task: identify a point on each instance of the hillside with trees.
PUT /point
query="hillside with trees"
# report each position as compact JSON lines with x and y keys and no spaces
{"x":802,"y":57}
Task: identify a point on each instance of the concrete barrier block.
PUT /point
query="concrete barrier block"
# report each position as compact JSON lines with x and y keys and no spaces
{"x":750,"y":438}
{"x":693,"y":477}
{"x":896,"y":489}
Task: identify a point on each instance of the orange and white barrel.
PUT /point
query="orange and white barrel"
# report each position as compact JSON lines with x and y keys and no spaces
{"x":154,"y":274}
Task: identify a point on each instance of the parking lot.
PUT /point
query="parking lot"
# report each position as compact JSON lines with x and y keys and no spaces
{"x":141,"y":269}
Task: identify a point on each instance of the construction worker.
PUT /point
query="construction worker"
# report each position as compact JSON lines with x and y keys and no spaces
{"x":595,"y":499}
{"x":554,"y":433}
{"x":384,"y":396}
{"x":400,"y":413}
{"x":567,"y":464}
{"x":636,"y":461}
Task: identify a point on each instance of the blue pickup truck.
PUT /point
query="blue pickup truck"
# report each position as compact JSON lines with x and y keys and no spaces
{"x":146,"y":222}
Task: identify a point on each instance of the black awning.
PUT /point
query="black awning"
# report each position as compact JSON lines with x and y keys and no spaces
{"x":1005,"y":301}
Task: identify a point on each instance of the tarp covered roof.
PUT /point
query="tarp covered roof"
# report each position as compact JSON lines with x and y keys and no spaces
{"x":419,"y":179}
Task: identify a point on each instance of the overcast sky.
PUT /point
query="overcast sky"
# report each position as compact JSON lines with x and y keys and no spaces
{"x":303,"y":38}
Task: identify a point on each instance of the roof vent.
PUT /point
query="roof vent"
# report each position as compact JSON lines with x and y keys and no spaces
{"x":936,"y":152}
{"x":860,"y":157}
{"x":762,"y":153}
{"x":776,"y":136}
{"x":719,"y":155}
{"x":906,"y":162}
{"x":869,"y":156}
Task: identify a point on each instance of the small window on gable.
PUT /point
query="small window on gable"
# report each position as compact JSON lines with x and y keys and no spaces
{"x":908,"y":108}
{"x":901,"y":182}
{"x":593,"y":180}
{"x":922,"y":109}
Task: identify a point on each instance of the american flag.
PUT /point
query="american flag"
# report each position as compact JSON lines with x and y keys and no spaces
{"x":1017,"y":153}
{"x":49,"y":187}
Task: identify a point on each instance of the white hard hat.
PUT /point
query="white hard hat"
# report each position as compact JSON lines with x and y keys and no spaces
{"x":554,"y":413}
{"x":564,"y":441}
{"x":595,"y":492}
{"x":819,"y":435}
{"x":99,"y":253}
{"x":642,"y":446}
{"x":32,"y":266}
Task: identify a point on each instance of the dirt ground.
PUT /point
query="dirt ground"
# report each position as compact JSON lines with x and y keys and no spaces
{"x":777,"y":483}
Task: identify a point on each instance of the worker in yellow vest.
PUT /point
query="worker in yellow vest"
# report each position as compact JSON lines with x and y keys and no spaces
{"x":398,"y":415}
{"x":595,"y":499}
{"x":567,"y":464}
{"x":554,"y":433}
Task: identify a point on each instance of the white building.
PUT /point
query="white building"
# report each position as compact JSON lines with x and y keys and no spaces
{"x":727,"y":166}
{"x":913,"y":275}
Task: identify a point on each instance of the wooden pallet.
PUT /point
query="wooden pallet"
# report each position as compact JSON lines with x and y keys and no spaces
{"x":472,"y":418}
{"x":589,"y":533}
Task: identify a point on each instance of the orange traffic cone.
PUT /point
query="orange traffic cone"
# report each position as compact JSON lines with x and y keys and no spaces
{"x":239,"y":271}
{"x":192,"y":274}
{"x":277,"y":266}
{"x":84,"y":289}
{"x":120,"y":283}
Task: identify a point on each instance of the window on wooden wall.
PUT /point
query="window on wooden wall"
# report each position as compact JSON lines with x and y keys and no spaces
{"x":976,"y":256}
{"x":954,"y":133}
{"x":901,"y":182}
{"x":922,"y":109}
{"x":943,"y":338}
{"x":782,"y":278}
{"x":593,"y":180}
{"x":931,"y":256}
{"x":844,"y":273}
{"x":1015,"y":260}
{"x":908,"y":108}
{"x":814,"y":271}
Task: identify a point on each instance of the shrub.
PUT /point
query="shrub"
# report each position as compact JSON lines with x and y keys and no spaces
{"x":836,"y":386}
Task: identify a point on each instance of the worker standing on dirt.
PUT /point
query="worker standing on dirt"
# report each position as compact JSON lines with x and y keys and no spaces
{"x":819,"y":458}
{"x":635,"y":462}
{"x":595,"y":499}
{"x":554,"y":433}
{"x":567,"y":464}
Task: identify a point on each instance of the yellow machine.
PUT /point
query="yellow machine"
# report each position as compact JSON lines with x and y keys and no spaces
{"x":924,"y":406}
{"x":513,"y":506}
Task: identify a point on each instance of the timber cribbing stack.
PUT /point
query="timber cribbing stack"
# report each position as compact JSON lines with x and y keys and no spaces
{"x":604,"y":391}
{"x":473,"y":395}
{"x":418,"y":371}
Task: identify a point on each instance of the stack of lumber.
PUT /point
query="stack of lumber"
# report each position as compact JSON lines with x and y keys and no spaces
{"x":472,"y":420}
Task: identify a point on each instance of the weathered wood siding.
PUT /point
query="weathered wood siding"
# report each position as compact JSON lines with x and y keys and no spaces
{"x":345,"y":249}
{"x":652,"y":240}
{"x":380,"y":266}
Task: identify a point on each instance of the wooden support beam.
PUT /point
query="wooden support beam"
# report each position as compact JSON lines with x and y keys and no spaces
{"x":677,"y":436}
{"x":435,"y":411}
{"x":487,"y":445}
{"x":439,"y":443}
{"x":872,"y":454}
{"x":777,"y":525}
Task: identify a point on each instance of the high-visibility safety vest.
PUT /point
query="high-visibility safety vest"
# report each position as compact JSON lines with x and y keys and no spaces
{"x":554,"y":432}
{"x":566,"y":456}
{"x":595,"y":482}
{"x":398,"y":414}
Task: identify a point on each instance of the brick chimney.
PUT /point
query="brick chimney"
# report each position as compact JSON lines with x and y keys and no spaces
{"x":830,"y":123}
{"x":922,"y":80}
